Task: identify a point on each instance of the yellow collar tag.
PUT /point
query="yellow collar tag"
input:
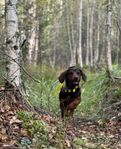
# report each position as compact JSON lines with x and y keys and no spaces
{"x":69,"y":90}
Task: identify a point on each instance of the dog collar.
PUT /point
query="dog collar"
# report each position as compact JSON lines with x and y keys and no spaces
{"x":71,"y":90}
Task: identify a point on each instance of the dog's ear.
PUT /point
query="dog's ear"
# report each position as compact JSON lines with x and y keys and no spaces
{"x":84,"y":77}
{"x":62,"y":76}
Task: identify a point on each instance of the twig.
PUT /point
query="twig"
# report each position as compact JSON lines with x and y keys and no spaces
{"x":115,"y":77}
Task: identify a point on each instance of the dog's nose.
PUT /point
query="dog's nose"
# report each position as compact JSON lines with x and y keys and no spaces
{"x":76,"y":78}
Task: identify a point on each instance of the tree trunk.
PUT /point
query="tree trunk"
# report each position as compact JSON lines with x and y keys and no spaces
{"x":79,"y":50}
{"x":88,"y":35}
{"x":35,"y":52}
{"x":52,"y":57}
{"x":108,"y":36}
{"x":13,"y":51}
{"x":102,"y":55}
{"x":118,"y":47}
{"x":73,"y":40}
{"x":91,"y":34}
{"x":33,"y":40}
{"x":72,"y":60}
{"x":96,"y":54}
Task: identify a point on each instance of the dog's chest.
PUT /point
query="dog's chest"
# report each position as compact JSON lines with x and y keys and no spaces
{"x":69,"y":94}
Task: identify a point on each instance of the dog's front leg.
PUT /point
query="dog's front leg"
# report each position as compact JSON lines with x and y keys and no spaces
{"x":62,"y":108}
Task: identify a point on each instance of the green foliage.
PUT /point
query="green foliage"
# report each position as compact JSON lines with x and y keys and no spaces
{"x":31,"y":123}
{"x":78,"y":141}
{"x":44,"y":94}
{"x":36,"y":128}
{"x":116,"y":70}
{"x":93,"y":92}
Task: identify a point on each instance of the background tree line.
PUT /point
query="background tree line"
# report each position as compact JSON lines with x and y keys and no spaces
{"x":68,"y":32}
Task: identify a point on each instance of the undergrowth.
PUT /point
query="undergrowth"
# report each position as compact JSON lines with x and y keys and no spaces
{"x":93,"y":92}
{"x":42,"y":95}
{"x":45,"y":94}
{"x":36,"y":129}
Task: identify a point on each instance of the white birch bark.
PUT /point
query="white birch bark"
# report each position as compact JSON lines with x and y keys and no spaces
{"x":88,"y":35}
{"x":79,"y":50}
{"x":72,"y":60}
{"x":73,"y":41}
{"x":35,"y":52}
{"x":33,"y":40}
{"x":108,"y":36}
{"x":12,"y":44}
{"x":91,"y":34}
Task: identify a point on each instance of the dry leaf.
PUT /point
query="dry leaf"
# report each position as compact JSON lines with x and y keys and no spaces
{"x":68,"y":143}
{"x":15,"y":120}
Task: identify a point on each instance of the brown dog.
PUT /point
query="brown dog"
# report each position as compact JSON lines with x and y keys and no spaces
{"x":70,"y":93}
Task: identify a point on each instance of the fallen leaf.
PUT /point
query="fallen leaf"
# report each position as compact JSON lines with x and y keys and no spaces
{"x":68,"y":143}
{"x":15,"y":120}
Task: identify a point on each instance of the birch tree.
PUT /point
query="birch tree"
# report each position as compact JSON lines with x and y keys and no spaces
{"x":96,"y":53}
{"x":13,"y":52}
{"x":91,"y":33}
{"x":88,"y":35}
{"x":33,"y":34}
{"x":108,"y":37}
{"x":79,"y":51}
{"x":69,"y":32}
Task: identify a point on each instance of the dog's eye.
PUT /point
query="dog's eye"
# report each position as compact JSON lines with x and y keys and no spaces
{"x":70,"y":73}
{"x":78,"y":72}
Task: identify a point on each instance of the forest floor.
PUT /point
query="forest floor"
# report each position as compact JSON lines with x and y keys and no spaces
{"x":80,"y":133}
{"x":24,"y":127}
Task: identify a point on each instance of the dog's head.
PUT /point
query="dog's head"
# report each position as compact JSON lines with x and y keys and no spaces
{"x":72,"y":75}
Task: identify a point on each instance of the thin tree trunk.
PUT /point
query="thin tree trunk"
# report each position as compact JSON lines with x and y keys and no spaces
{"x":88,"y":35}
{"x":102,"y":57}
{"x":79,"y":51}
{"x":96,"y":55}
{"x":52,"y":57}
{"x":91,"y":34}
{"x":35,"y":52}
{"x":73,"y":40}
{"x":72,"y":60}
{"x":33,"y":48}
{"x":13,"y":51}
{"x":108,"y":36}
{"x":118,"y":47}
